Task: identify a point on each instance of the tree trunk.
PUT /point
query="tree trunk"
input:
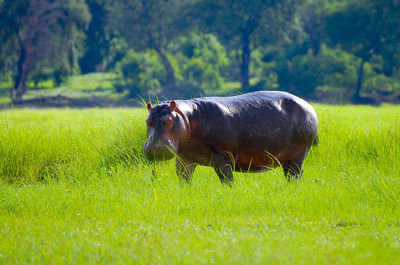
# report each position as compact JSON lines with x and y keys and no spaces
{"x":24,"y":68}
{"x":12,"y":95}
{"x":22,"y":84}
{"x":245,"y":64}
{"x":316,"y":47}
{"x":20,"y":66}
{"x":359,"y":80}
{"x":171,"y":79}
{"x":311,"y":28}
{"x":171,"y":84}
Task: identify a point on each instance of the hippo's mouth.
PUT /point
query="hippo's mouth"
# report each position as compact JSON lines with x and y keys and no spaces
{"x":158,"y":157}
{"x":159,"y":153}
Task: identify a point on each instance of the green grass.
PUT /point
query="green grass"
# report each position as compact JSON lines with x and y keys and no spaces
{"x":78,"y":86}
{"x":92,"y":81}
{"x":75,"y":189}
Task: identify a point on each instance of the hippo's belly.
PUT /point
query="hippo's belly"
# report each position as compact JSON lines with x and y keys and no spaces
{"x":263,"y":159}
{"x":256,"y":158}
{"x":264,"y":151}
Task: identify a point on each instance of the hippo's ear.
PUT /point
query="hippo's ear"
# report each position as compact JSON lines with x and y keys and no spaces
{"x":149,"y":106}
{"x":172,"y":105}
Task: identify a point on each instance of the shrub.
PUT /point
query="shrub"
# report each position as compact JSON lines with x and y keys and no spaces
{"x":202,"y":59}
{"x":302,"y":74}
{"x":140,"y":73}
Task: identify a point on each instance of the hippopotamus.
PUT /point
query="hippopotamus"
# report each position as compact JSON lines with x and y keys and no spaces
{"x":252,"y":132}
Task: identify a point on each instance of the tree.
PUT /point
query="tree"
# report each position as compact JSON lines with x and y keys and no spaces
{"x":313,"y":21}
{"x":140,"y":74}
{"x":40,"y":29}
{"x":367,"y":28}
{"x":244,"y":25}
{"x":97,"y":42}
{"x":149,"y":24}
{"x":202,"y":60}
{"x":302,"y":74}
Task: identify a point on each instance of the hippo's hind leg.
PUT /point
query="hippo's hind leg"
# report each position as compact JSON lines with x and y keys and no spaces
{"x":223,"y":168}
{"x":184,"y":169}
{"x":293,"y":169}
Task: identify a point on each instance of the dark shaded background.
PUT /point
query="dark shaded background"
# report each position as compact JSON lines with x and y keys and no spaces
{"x":107,"y":53}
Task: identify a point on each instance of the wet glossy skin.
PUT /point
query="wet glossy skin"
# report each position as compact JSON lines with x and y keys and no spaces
{"x":250,"y":132}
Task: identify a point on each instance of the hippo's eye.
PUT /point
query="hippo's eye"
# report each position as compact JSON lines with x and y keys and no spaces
{"x":168,"y":121}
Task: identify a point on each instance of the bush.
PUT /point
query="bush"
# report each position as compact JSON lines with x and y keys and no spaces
{"x":141,"y":74}
{"x":58,"y":75}
{"x":302,"y":74}
{"x":382,"y":85}
{"x":201,"y":74}
{"x":202,"y":59}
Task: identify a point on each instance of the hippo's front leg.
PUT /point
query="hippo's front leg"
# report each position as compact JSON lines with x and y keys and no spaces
{"x":223,"y":168}
{"x":184,"y":169}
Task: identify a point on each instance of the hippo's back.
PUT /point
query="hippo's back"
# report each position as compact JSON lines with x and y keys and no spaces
{"x":262,"y":109}
{"x":258,"y":100}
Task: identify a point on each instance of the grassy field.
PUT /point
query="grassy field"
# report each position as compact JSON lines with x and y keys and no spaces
{"x":100,"y":85}
{"x":78,"y":86}
{"x":75,"y":189}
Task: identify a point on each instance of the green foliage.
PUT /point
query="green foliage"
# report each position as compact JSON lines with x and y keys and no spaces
{"x":155,"y":26}
{"x":117,"y":50}
{"x":382,"y":84}
{"x":303,"y":74}
{"x":257,"y":64}
{"x":58,"y":76}
{"x":202,"y":74}
{"x":44,"y":33}
{"x":81,"y":193}
{"x":206,"y":46}
{"x":345,"y":75}
{"x":141,"y":74}
{"x":97,"y":42}
{"x":312,"y":16}
{"x":367,"y":28}
{"x":202,"y":60}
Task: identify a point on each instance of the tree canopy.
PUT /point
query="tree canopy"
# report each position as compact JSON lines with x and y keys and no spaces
{"x":366,"y":29}
{"x":44,"y":32}
{"x":190,"y":47}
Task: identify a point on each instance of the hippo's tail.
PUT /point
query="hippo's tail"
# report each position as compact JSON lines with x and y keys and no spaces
{"x":316,"y":141}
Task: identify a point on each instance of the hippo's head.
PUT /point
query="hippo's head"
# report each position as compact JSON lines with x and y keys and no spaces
{"x":167,"y":129}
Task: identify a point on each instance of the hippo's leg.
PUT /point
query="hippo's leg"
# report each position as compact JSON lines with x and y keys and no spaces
{"x":184,"y":169}
{"x":223,"y":168}
{"x":293,"y":169}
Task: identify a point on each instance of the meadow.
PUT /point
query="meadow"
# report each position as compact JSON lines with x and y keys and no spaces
{"x":75,"y":189}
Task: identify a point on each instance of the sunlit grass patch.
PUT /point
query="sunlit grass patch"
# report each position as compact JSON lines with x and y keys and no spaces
{"x":92,"y":81}
{"x":75,"y":189}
